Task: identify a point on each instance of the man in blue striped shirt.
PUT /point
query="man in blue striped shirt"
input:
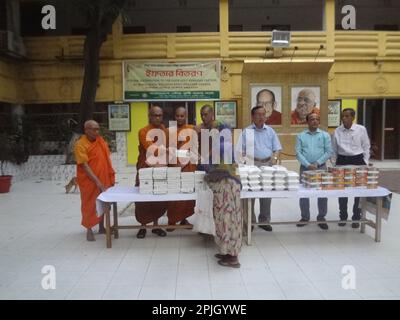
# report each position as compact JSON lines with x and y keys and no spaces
{"x":259,"y":145}
{"x":313,"y":149}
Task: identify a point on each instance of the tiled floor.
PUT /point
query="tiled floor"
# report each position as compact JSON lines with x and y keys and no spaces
{"x":40,"y":225}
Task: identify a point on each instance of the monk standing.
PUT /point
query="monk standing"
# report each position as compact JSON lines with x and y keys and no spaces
{"x":94,"y":174}
{"x":180,"y":210}
{"x":147,"y":212}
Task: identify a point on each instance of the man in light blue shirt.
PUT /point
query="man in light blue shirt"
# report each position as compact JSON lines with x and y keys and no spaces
{"x":259,"y":144}
{"x":313,"y":149}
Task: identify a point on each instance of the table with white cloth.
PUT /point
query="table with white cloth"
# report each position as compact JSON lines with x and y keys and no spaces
{"x":131,"y":194}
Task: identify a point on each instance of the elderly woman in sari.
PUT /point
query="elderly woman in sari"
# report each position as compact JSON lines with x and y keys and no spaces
{"x":227,"y":208}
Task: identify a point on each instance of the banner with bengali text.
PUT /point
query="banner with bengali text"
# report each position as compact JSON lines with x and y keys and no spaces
{"x":146,"y":81}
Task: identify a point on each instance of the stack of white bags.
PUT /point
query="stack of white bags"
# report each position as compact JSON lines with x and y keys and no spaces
{"x":199,"y":183}
{"x":160,"y":184}
{"x":187,"y":182}
{"x":174,"y":179}
{"x":146,"y":180}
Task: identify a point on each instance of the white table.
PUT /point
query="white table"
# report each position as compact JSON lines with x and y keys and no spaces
{"x":379,"y":193}
{"x":131,"y":194}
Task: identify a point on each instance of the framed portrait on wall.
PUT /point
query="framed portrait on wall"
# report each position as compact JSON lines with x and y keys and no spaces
{"x":334,"y":109}
{"x":270,"y":97}
{"x":225,"y":111}
{"x":304,"y":100}
{"x":119,"y":118}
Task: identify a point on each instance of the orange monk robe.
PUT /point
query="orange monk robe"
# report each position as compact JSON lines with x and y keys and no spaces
{"x":147,"y":212}
{"x":97,"y":155}
{"x":179,"y":210}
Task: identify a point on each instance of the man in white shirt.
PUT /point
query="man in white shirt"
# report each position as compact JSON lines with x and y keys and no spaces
{"x":350,"y":144}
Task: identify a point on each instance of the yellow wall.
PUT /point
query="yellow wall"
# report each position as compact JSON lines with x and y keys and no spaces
{"x":8,"y":83}
{"x":139,"y":119}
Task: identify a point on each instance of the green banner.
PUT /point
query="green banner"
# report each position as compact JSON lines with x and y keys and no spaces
{"x":171,"y":81}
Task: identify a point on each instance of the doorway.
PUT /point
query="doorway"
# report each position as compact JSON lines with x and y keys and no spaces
{"x":381,"y":117}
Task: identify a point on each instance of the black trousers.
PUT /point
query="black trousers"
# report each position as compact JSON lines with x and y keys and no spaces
{"x":345,"y":160}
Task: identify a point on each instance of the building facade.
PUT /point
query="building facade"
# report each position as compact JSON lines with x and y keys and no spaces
{"x":357,"y":67}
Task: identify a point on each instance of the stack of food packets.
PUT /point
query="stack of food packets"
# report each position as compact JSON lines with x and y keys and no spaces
{"x":267,"y":178}
{"x":361,"y":177}
{"x":292,"y":181}
{"x":337,"y":177}
{"x":174,"y":179}
{"x":372,"y":177}
{"x":312,"y":179}
{"x":146,"y":180}
{"x":160,"y":184}
{"x":253,"y":178}
{"x":243,"y":172}
{"x":187,"y":182}
{"x":199,"y":183}
{"x":349,"y":176}
{"x":279,"y":178}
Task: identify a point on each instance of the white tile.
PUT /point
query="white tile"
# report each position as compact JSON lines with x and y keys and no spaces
{"x":252,"y":276}
{"x":193,"y":276}
{"x":332,"y":290}
{"x":87,"y":292}
{"x":229,"y":292}
{"x":161,"y":277}
{"x":134,"y":278}
{"x":157,"y":292}
{"x":193,"y":292}
{"x":122,"y":292}
{"x":267,"y":291}
{"x":300,"y":291}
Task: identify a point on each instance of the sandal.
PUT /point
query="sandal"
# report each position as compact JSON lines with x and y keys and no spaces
{"x":159,"y":232}
{"x":184,"y":222}
{"x":141,"y":234}
{"x":228,"y":263}
{"x":221,"y":256}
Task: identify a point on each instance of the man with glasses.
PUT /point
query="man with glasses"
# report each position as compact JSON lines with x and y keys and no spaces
{"x":265,"y":148}
{"x":306,"y":103}
{"x":266,"y":98}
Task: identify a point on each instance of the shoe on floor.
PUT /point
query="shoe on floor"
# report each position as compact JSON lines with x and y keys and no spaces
{"x":221,"y":256}
{"x":229,"y":263}
{"x":341,"y":224}
{"x":323,"y":226}
{"x":355,"y":225}
{"x":159,"y":232}
{"x":266,"y":228}
{"x":141,"y":234}
{"x":302,"y":224}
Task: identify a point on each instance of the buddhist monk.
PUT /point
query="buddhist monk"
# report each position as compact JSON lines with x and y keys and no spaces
{"x":147,"y":212}
{"x":94,"y":174}
{"x":180,"y":210}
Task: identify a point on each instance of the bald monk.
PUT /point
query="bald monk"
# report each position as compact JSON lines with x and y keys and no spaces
{"x":147,"y":212}
{"x":94,"y":174}
{"x":180,"y":210}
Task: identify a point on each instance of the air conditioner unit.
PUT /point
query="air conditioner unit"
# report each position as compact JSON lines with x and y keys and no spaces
{"x":11,"y":44}
{"x":280,"y":39}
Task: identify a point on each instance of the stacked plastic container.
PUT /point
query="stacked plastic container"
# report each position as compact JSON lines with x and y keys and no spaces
{"x":372,"y":177}
{"x":267,"y":178}
{"x":292,"y":181}
{"x":279,"y":178}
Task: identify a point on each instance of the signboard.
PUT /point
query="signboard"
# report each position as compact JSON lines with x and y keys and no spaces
{"x":119,"y":117}
{"x":151,"y":81}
